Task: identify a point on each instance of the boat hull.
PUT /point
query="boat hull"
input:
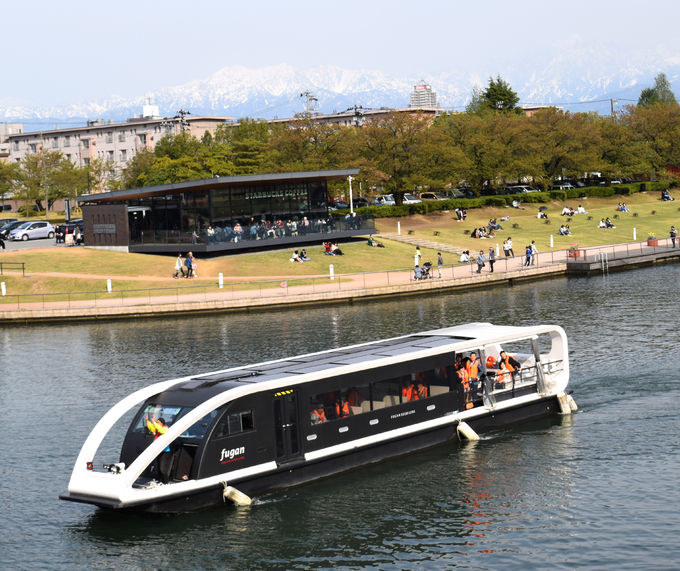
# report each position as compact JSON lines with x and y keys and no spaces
{"x":301,"y":472}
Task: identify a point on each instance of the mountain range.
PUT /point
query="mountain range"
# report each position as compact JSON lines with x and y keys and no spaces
{"x":575,"y":82}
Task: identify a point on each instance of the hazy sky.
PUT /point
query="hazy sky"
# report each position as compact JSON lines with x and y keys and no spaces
{"x":75,"y":50}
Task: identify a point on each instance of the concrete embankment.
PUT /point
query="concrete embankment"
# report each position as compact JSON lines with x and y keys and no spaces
{"x":346,"y":289}
{"x":216,"y":302}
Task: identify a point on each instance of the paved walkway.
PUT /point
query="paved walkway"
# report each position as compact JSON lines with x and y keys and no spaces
{"x":192,"y":297}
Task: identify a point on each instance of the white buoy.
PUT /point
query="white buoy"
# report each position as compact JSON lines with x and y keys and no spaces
{"x":108,"y":286}
{"x":239,"y":498}
{"x":466,"y":431}
{"x":220,"y":280}
{"x":565,"y":407}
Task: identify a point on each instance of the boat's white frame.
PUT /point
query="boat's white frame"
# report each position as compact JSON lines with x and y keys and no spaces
{"x":117,"y":489}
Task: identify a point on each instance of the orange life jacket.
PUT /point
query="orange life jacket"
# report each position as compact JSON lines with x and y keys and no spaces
{"x":501,"y":375}
{"x":342,"y":410}
{"x":320,"y":416}
{"x":421,"y":393}
{"x":464,"y":379}
{"x":472,"y":369}
{"x":408,"y":392}
{"x":508,"y":366}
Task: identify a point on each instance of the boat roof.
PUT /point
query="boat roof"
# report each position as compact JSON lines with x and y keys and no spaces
{"x":347,"y":359}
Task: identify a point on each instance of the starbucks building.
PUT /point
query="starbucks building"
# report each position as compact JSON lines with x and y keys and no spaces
{"x":221,"y":214}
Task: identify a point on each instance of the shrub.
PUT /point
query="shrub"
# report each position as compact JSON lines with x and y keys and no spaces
{"x":559,"y":195}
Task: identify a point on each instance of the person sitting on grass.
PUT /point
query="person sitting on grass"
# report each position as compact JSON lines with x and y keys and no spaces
{"x":295,"y":257}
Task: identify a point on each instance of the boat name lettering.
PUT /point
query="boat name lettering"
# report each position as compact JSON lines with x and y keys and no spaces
{"x":405,"y":413}
{"x":232,"y":454}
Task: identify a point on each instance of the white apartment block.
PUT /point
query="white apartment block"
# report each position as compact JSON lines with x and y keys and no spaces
{"x":113,"y":142}
{"x":423,"y":96}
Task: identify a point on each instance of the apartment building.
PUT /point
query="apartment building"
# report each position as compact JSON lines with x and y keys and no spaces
{"x":116,"y":143}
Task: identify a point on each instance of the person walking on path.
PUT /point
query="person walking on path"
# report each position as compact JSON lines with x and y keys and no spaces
{"x":417,"y":257}
{"x":189,"y":264}
{"x":507,"y":248}
{"x":480,"y":261}
{"x":492,"y":259}
{"x":179,"y":267}
{"x":534,"y":252}
{"x":527,"y":254}
{"x":440,"y":263}
{"x":673,"y":233}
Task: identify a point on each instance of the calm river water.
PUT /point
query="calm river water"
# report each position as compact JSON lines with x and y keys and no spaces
{"x":596,"y":490}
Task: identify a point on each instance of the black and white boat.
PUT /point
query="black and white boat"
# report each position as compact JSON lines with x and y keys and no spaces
{"x":248,"y":431}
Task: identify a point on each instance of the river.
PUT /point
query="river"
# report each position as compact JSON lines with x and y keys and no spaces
{"x":599,"y":489}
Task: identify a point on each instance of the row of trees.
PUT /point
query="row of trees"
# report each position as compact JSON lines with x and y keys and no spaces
{"x":492,"y":143}
{"x":41,"y":179}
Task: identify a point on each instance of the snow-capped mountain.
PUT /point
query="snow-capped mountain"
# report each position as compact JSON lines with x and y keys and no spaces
{"x":570,"y":80}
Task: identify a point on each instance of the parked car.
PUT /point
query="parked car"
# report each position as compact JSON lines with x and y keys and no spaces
{"x":4,"y":221}
{"x":431,"y":196}
{"x":520,"y":188}
{"x":32,"y":231}
{"x":339,"y":205}
{"x":385,"y":200}
{"x":7,"y":228}
{"x":410,"y":199}
{"x":561,"y":186}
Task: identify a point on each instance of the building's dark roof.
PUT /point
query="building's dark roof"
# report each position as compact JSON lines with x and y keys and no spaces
{"x":217,"y":182}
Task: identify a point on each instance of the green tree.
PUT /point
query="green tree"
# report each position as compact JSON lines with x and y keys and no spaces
{"x":499,"y":96}
{"x":47,"y":176}
{"x":660,"y":93}
{"x":391,"y":145}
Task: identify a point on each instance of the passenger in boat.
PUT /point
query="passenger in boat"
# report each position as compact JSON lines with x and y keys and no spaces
{"x":502,"y":375}
{"x":421,"y":391}
{"x":465,"y":384}
{"x":318,"y":415}
{"x":158,"y":427}
{"x":473,"y":367}
{"x":342,"y":408}
{"x":354,"y":397}
{"x":511,"y":364}
{"x":408,"y":391}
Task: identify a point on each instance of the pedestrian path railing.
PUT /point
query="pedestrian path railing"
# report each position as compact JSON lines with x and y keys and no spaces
{"x":191,"y":292}
{"x":13,"y":266}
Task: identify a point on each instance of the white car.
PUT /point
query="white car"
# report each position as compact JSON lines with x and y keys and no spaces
{"x":32,"y":230}
{"x":410,"y":199}
{"x":386,"y":200}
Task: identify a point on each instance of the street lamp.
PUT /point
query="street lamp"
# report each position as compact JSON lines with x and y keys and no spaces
{"x":351,"y":204}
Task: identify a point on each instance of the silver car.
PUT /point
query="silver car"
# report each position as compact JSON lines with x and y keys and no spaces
{"x":32,"y":230}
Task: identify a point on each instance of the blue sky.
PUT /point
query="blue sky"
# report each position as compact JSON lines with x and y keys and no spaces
{"x":75,"y":50}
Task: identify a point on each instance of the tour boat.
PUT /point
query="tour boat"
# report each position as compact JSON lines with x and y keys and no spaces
{"x":230,"y":435}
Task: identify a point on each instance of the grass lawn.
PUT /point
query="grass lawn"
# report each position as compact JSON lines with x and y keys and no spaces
{"x":583,"y":231}
{"x":141,"y":271}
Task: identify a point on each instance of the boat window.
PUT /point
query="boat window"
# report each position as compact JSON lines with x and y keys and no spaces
{"x":350,"y":401}
{"x":234,"y":423}
{"x":199,"y":429}
{"x":168,"y":413}
{"x":333,"y":405}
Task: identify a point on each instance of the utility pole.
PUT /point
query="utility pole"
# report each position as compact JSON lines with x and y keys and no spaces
{"x":310,"y":102}
{"x":183,"y":123}
{"x":613,"y":102}
{"x":44,"y":173}
{"x":351,"y":204}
